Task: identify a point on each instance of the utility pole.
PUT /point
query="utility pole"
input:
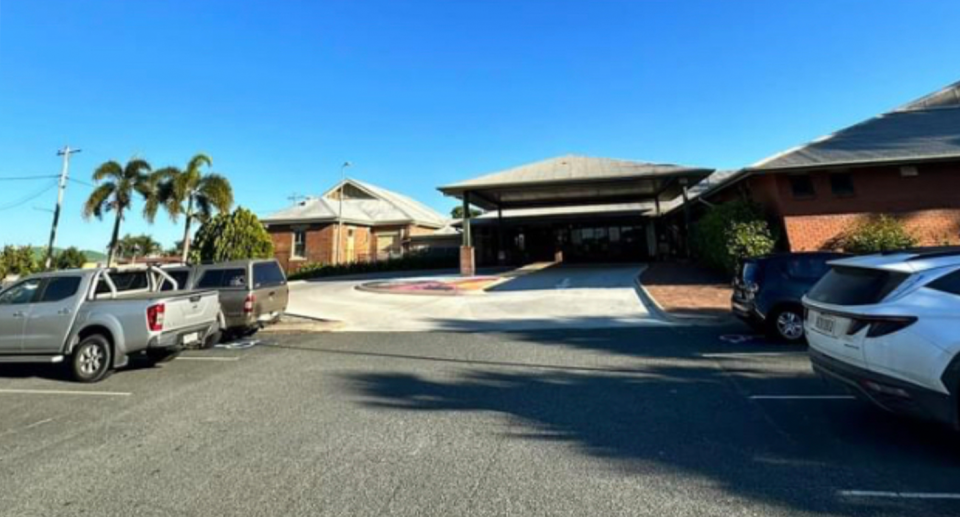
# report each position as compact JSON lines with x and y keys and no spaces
{"x":336,"y":245}
{"x":64,"y":172}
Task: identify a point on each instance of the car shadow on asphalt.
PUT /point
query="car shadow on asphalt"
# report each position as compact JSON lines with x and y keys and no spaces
{"x":695,"y":419}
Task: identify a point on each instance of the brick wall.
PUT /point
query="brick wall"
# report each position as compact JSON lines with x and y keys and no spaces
{"x":928,"y":204}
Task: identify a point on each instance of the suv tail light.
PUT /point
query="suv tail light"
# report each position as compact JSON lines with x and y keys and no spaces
{"x":248,"y":303}
{"x":155,"y":317}
{"x":880,"y":325}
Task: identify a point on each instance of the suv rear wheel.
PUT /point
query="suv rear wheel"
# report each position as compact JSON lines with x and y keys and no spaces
{"x":786,"y":324}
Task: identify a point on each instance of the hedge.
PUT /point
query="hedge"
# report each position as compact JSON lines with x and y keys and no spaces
{"x":406,"y":263}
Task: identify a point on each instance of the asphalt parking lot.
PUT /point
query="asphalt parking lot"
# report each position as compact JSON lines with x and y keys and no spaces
{"x":642,"y":421}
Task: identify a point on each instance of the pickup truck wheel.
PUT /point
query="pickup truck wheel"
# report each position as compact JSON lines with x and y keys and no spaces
{"x":91,"y":360}
{"x":161,"y":355}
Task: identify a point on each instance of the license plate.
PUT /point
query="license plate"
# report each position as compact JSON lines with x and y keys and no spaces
{"x":825,"y":324}
{"x":193,"y":337}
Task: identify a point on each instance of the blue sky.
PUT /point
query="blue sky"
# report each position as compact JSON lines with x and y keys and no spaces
{"x":421,"y":93}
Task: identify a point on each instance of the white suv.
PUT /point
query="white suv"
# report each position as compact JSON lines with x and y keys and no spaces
{"x":888,"y":327}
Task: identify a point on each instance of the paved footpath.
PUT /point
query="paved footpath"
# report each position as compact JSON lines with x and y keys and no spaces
{"x":556,"y":297}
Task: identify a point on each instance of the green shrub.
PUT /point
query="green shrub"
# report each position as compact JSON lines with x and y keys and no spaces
{"x":231,"y":236}
{"x":730,"y":232}
{"x":406,"y":263}
{"x":69,"y":258}
{"x":18,"y":260}
{"x":875,"y":235}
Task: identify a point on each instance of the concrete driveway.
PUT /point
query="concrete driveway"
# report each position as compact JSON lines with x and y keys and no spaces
{"x":555,"y":297}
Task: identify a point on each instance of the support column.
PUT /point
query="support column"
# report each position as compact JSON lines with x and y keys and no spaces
{"x":686,"y":219}
{"x":501,"y":253}
{"x":468,"y":263}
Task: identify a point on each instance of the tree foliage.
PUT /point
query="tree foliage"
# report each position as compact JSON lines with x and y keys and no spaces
{"x":231,"y":236}
{"x":731,"y":232}
{"x":457,"y":212}
{"x":875,"y":235}
{"x":18,"y":261}
{"x":69,"y":258}
{"x":116,"y":185}
{"x":132,"y":246}
{"x":191,"y":193}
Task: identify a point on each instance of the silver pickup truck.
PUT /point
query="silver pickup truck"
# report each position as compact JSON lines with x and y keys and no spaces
{"x":94,"y":319}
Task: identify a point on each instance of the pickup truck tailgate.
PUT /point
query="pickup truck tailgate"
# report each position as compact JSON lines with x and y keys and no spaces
{"x":190,"y":309}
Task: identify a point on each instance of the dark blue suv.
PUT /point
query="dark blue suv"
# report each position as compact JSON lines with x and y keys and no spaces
{"x":767,"y":291}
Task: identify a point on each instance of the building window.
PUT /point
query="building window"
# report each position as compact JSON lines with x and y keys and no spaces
{"x":841,"y":183}
{"x":801,"y":185}
{"x":299,"y":244}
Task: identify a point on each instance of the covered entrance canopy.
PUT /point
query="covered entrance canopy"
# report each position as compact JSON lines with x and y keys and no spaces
{"x":566,"y":185}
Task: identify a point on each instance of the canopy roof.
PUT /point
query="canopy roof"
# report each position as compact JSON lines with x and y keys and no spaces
{"x":577,"y":180}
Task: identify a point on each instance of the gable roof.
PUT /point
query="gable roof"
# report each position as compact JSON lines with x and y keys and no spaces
{"x":926,"y":129}
{"x":382,"y":207}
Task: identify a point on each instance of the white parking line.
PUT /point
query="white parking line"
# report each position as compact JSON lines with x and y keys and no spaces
{"x":802,"y":397}
{"x":898,"y":495}
{"x":222,"y":359}
{"x":65,"y":392}
{"x":753,"y":354}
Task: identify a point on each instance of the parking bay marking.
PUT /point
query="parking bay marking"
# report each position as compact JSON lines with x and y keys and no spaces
{"x":898,"y":495}
{"x":221,"y":359}
{"x":721,"y":355}
{"x":802,"y":397}
{"x":65,"y":392}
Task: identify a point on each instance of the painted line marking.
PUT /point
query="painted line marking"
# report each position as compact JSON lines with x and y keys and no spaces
{"x":66,"y":392}
{"x":802,"y":397}
{"x":26,"y":427}
{"x":754,"y":354}
{"x":898,"y":495}
{"x":221,"y":359}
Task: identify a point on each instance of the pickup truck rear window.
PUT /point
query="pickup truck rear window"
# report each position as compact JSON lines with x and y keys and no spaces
{"x":267,"y":274}
{"x":124,"y":281}
{"x":181,"y":277}
{"x":844,"y":285}
{"x":61,"y":288}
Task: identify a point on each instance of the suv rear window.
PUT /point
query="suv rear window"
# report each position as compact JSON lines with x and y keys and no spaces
{"x":807,"y":268}
{"x":844,"y":285}
{"x":947,"y":283}
{"x":750,"y":273}
{"x":267,"y":274}
{"x":216,"y":278}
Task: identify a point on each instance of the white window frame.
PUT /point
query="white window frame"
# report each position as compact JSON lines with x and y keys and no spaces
{"x":293,"y":247}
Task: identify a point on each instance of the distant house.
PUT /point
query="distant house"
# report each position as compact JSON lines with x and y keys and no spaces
{"x":905,"y":162}
{"x":377,"y":224}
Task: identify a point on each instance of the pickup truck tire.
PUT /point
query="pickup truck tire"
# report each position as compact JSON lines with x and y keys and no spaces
{"x":162,"y":355}
{"x":91,"y":360}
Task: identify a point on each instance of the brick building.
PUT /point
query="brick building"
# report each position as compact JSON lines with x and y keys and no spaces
{"x":377,"y":224}
{"x":905,"y":163}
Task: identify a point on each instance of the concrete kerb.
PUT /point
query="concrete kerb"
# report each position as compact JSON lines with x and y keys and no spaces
{"x":657,"y":310}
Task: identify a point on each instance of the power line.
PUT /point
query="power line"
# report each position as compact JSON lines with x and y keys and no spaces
{"x":30,"y":197}
{"x":26,"y":178}
{"x":81,"y":182}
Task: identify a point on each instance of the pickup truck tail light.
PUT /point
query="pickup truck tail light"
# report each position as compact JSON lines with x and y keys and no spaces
{"x":155,"y":317}
{"x":248,"y":303}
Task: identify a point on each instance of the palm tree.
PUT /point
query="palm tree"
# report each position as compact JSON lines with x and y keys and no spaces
{"x":116,"y":193}
{"x":192,"y":193}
